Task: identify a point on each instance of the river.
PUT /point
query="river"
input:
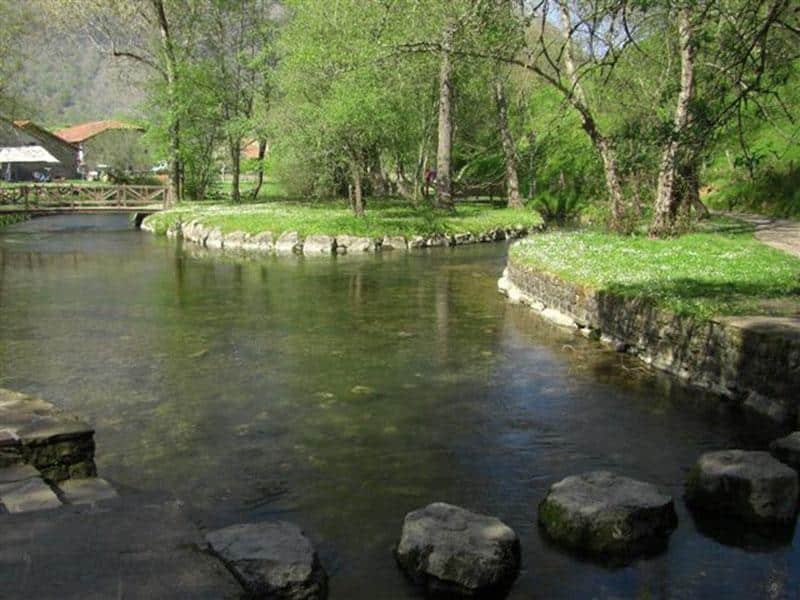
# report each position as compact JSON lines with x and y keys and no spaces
{"x":341,"y":393}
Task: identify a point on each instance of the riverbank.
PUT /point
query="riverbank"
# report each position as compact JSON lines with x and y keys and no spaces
{"x":287,"y":227}
{"x":719,"y":308}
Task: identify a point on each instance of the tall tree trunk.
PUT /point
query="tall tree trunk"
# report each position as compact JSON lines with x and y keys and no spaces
{"x":691,"y":180}
{"x":358,"y":192}
{"x":602,"y":144}
{"x":235,"y":146}
{"x":262,"y":152}
{"x":444,"y":193}
{"x":171,"y":75}
{"x":666,"y":203}
{"x":531,"y":166}
{"x":509,"y":148}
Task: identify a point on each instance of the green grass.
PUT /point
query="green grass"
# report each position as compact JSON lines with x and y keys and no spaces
{"x":11,"y":219}
{"x":382,"y":218}
{"x":722,"y":271}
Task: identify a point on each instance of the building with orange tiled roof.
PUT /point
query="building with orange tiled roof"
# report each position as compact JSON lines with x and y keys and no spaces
{"x":29,"y":150}
{"x":109,"y":144}
{"x":64,"y":151}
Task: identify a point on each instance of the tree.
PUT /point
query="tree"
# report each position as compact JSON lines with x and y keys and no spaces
{"x":237,"y":40}
{"x":739,"y":44}
{"x":509,"y":147}
{"x":154,"y":33}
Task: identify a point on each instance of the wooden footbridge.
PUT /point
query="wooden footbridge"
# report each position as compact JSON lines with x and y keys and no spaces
{"x":57,"y":199}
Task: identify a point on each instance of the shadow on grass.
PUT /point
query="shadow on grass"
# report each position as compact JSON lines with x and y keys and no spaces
{"x":706,"y":299}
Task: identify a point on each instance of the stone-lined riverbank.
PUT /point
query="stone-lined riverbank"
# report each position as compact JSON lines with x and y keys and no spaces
{"x":752,"y":360}
{"x":291,"y":242}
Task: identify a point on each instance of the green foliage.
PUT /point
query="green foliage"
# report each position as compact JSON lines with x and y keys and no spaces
{"x":757,"y":167}
{"x":724,"y":271}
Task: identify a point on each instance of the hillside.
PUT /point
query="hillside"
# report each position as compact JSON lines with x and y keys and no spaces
{"x":65,"y":79}
{"x":773,"y":156}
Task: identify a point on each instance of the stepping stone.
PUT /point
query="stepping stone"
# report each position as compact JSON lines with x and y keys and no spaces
{"x":87,"y":491}
{"x":451,"y":550}
{"x":28,"y":495}
{"x":752,"y":486}
{"x":608,"y":515}
{"x":787,"y":450}
{"x":769,"y":411}
{"x":271,"y":560}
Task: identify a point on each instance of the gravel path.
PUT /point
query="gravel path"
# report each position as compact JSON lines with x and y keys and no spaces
{"x":778,"y":233}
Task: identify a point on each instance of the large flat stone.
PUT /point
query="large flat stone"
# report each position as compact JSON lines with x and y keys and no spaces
{"x":137,"y":548}
{"x":87,"y":491}
{"x":454,"y":551}
{"x":272,"y":560}
{"x":605,"y":514}
{"x":28,"y":495}
{"x":752,"y":486}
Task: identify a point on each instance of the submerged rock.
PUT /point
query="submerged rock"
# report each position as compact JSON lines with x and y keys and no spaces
{"x":87,"y":491}
{"x":787,"y":450}
{"x":451,"y":550}
{"x":271,"y":560}
{"x":559,"y":318}
{"x":606,"y":514}
{"x":749,"y":485}
{"x":769,"y":410}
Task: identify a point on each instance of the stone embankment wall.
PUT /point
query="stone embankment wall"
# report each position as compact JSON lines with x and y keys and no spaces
{"x":752,"y":360}
{"x":291,"y":242}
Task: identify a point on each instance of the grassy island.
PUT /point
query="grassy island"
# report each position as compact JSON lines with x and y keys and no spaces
{"x":384,"y":218}
{"x":721,"y":271}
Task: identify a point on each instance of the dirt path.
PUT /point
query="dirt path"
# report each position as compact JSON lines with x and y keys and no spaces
{"x":778,"y":233}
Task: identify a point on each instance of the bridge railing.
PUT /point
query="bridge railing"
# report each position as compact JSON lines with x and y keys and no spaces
{"x":77,"y":195}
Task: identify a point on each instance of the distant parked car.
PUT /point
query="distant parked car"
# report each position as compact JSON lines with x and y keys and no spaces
{"x":41,"y":176}
{"x":162,"y":167}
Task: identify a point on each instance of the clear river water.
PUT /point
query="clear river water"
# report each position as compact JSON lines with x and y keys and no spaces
{"x":341,"y":393}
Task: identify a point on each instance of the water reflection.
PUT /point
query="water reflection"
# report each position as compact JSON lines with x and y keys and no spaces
{"x":342,"y":393}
